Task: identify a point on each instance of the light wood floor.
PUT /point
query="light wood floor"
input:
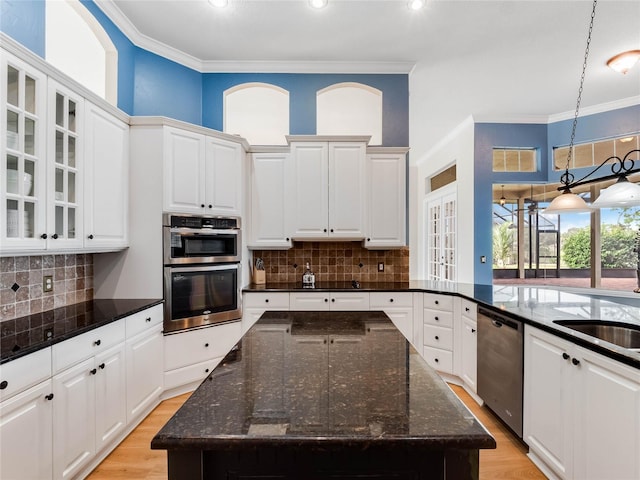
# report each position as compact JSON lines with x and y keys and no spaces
{"x":133,"y":459}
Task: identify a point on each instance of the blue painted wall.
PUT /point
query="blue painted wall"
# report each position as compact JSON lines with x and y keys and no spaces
{"x":24,"y":21}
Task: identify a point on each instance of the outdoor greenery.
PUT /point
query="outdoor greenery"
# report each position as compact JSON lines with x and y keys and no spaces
{"x":618,"y":243}
{"x":503,"y":244}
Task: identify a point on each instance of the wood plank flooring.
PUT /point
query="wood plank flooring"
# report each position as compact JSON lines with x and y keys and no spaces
{"x":133,"y":459}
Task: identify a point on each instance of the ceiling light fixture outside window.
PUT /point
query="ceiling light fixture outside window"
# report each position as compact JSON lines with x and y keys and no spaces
{"x":624,"y":61}
{"x":416,"y":4}
{"x":219,"y":3}
{"x":621,"y":194}
{"x":502,"y":199}
{"x":318,"y":3}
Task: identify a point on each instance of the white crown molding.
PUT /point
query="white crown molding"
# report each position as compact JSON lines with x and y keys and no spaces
{"x":600,"y":108}
{"x":528,"y":119}
{"x":114,"y":14}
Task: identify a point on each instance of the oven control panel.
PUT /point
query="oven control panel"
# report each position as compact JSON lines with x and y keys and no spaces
{"x":214,"y":223}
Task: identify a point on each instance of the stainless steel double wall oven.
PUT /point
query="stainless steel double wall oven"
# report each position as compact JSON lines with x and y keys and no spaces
{"x":201,"y":270}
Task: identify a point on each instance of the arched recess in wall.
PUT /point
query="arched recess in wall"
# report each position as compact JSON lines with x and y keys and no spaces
{"x":258,"y":112}
{"x":350,"y":109}
{"x":77,"y":45}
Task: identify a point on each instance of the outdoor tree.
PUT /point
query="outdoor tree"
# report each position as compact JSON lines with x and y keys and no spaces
{"x":576,"y":247}
{"x":617,"y":240}
{"x":502,"y":244}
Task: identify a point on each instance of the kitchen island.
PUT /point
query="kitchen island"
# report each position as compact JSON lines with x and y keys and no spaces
{"x":321,"y":395}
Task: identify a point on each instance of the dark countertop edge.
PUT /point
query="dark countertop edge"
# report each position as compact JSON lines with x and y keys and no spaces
{"x":565,"y":333}
{"x":229,"y":443}
{"x":48,"y":343}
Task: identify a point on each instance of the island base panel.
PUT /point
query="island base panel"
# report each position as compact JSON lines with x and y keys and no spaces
{"x":279,"y":463}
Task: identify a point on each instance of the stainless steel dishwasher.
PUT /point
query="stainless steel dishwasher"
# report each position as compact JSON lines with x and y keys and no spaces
{"x":501,"y":366}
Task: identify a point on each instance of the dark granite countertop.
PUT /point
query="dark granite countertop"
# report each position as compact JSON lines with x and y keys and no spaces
{"x":536,"y":305}
{"x":325,"y":380}
{"x":24,"y":335}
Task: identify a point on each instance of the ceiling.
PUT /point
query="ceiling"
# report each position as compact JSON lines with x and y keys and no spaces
{"x":495,"y":60}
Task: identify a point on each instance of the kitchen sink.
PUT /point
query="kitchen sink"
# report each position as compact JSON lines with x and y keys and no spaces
{"x":621,"y":334}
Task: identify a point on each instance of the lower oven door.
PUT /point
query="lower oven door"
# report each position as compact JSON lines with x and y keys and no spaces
{"x":201,"y":295}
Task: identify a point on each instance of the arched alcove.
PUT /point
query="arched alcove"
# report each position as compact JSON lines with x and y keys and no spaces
{"x":77,"y":44}
{"x":350,"y":109}
{"x":258,"y":112}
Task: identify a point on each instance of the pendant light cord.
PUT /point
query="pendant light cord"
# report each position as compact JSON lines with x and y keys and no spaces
{"x":567,"y":178}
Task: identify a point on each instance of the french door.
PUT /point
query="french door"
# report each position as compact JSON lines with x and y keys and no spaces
{"x":441,"y":234}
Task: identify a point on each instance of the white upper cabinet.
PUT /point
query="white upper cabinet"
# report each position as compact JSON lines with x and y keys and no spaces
{"x":202,"y":174}
{"x":269,"y":183}
{"x":106,"y":180}
{"x":386,"y":200}
{"x":328,"y":197}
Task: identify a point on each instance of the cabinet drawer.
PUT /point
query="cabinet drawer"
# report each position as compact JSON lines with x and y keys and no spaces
{"x":195,"y":346}
{"x":301,"y":301}
{"x":383,"y":300}
{"x":438,"y":318}
{"x":349,"y":301}
{"x":86,"y":345}
{"x":24,"y":372}
{"x":439,"y":337}
{"x":441,"y":360}
{"x":266,"y":300}
{"x":144,"y":320}
{"x":469,"y":309}
{"x":438,"y":302}
{"x":191,"y":373}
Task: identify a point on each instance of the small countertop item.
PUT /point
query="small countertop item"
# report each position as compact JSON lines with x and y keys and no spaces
{"x":317,"y":387}
{"x":31,"y":333}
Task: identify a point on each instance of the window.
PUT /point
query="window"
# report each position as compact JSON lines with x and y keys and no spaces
{"x":514,"y":160}
{"x":258,"y":112}
{"x":77,"y":45}
{"x":594,"y":153}
{"x":350,"y":109}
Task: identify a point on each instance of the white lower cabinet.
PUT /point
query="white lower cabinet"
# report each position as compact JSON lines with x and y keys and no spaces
{"x":399,"y":308}
{"x":254,"y":304}
{"x":468,"y":369}
{"x":111,"y":389}
{"x":26,"y":438}
{"x":338,"y":301}
{"x":581,"y":411}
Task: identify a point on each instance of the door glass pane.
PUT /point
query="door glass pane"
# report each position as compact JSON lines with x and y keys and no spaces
{"x":30,"y":94}
{"x":12,"y":218}
{"x":13,"y":86}
{"x":12,"y":130}
{"x":59,"y":110}
{"x":71,"y":153}
{"x":71,"y":188}
{"x":72,"y":116}
{"x":29,"y":219}
{"x":71,"y":223}
{"x":12,"y":174}
{"x":59,"y":147}
{"x":59,"y":184}
{"x":29,"y":136}
{"x":59,"y":220}
{"x":30,"y":177}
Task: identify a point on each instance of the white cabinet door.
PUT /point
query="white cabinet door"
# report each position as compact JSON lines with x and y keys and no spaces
{"x":184,"y":182}
{"x":110,"y":391}
{"x":144,"y":370}
{"x":65,"y":181}
{"x":386,"y":200}
{"x":310,"y":195}
{"x":26,"y":438}
{"x":308,"y":301}
{"x":347,"y":192}
{"x":269,"y":191}
{"x":106,"y":180}
{"x":223,"y":174}
{"x":74,"y":414}
{"x":469,"y":360}
{"x":606,"y":418}
{"x":23,"y":168}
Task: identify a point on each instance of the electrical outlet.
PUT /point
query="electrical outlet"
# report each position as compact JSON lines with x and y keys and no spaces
{"x":47,"y":283}
{"x":381,"y":266}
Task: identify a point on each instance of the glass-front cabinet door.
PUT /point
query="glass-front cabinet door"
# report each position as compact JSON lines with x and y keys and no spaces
{"x":64,"y":181}
{"x":22,"y":145}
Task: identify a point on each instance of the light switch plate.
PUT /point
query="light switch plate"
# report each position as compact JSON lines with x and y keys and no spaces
{"x":381,"y":266}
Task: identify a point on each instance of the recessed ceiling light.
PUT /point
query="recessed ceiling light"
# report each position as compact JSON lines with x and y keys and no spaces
{"x":219,"y":3}
{"x":622,"y":62}
{"x":416,"y":4}
{"x":318,"y":3}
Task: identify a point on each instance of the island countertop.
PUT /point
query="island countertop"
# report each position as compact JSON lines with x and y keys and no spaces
{"x":329,"y":380}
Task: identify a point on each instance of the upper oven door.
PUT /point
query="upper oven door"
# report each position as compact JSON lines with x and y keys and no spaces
{"x":189,"y":246}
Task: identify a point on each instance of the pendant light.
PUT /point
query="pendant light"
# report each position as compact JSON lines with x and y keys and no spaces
{"x":502,"y":199}
{"x":623,"y":193}
{"x":569,"y":202}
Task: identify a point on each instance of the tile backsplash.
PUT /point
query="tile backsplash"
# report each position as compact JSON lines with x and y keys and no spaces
{"x":21,"y":283}
{"x":335,"y":261}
